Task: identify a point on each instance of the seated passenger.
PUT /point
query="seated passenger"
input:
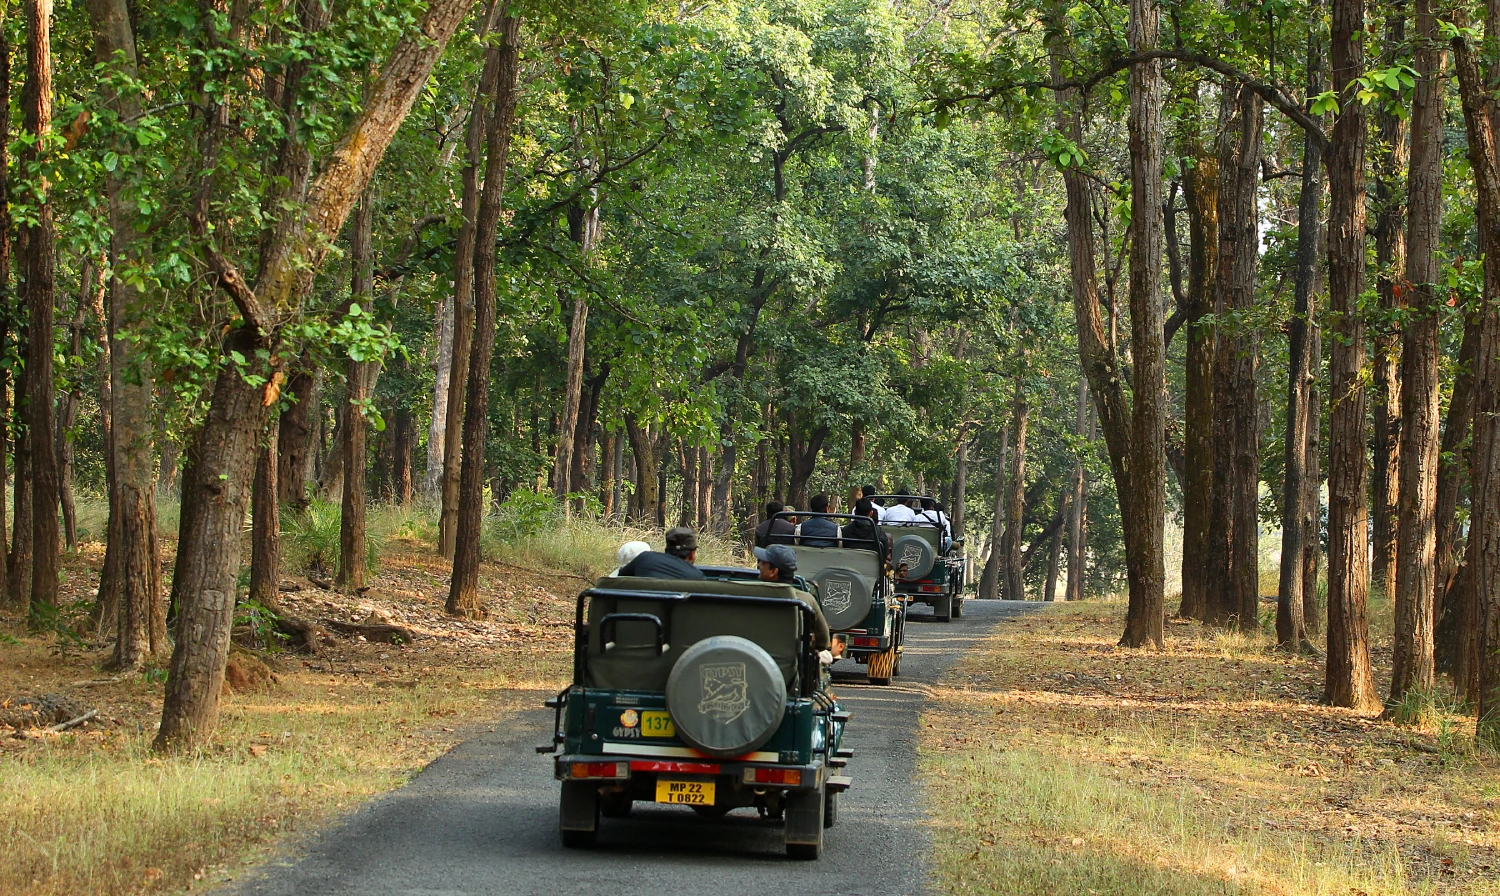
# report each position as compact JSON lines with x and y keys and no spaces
{"x":868,"y":493}
{"x":773,"y":526}
{"x":929,"y":515}
{"x":628,"y":552}
{"x":818,"y":531}
{"x":867,"y":527}
{"x":778,"y":563}
{"x":676,"y":563}
{"x":898,"y":514}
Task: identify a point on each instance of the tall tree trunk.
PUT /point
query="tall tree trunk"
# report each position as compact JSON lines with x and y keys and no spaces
{"x":1013,"y":580}
{"x":609,"y":473}
{"x":1312,"y":494}
{"x":1291,"y":627}
{"x":437,"y":424}
{"x":1201,"y":186}
{"x":1421,"y":383}
{"x":9,"y":313}
{"x":643,"y":449}
{"x":403,"y":448}
{"x":463,"y":596}
{"x":352,"y":546}
{"x":956,"y":515}
{"x":1349,"y":680}
{"x":464,"y":262}
{"x":19,"y":579}
{"x":38,"y":272}
{"x":294,"y":447}
{"x":91,"y":280}
{"x":1390,"y":162}
{"x":1078,"y":500}
{"x":583,"y":227}
{"x":993,"y":572}
{"x":1482,"y":564}
{"x":223,"y":454}
{"x":265,"y":522}
{"x":1054,"y":553}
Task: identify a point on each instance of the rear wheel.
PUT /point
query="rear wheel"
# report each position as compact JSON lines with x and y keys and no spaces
{"x":615,"y":805}
{"x":958,"y":605}
{"x":805,"y":815}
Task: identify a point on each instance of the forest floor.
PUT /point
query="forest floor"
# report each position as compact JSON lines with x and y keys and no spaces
{"x":1055,"y":762}
{"x":90,"y":810}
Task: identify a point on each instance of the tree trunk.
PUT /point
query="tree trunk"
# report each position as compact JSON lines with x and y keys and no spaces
{"x":91,"y":280}
{"x":1390,"y":162}
{"x":956,"y":514}
{"x":265,"y":522}
{"x":464,"y":266}
{"x":643,"y":449}
{"x":1013,"y":581}
{"x":19,"y":578}
{"x":1291,"y":627}
{"x":295,"y":446}
{"x":1078,"y":503}
{"x":403,"y":448}
{"x":8,"y":312}
{"x":463,"y":596}
{"x":437,"y":426}
{"x":1421,"y":383}
{"x":224,"y":449}
{"x":38,"y":272}
{"x":583,"y":227}
{"x":1349,"y":680}
{"x":609,"y":490}
{"x":352,"y":546}
{"x":1312,"y":496}
{"x":1201,"y":186}
{"x":1053,"y":555}
{"x":990,"y":576}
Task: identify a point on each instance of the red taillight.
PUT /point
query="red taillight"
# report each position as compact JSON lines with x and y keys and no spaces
{"x":599,"y":770}
{"x":690,"y":768}
{"x":930,"y":589}
{"x":866,"y":642}
{"x":788,"y":777}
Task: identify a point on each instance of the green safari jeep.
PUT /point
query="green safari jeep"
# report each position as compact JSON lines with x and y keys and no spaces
{"x":929,"y":567}
{"x":848,"y":575}
{"x":709,"y":695}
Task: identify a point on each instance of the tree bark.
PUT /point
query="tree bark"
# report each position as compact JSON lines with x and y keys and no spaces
{"x":1391,"y":156}
{"x":265,"y":522}
{"x":1201,"y":186}
{"x":1014,"y":578}
{"x":643,"y":449}
{"x":464,"y":261}
{"x":1146,"y":483}
{"x":91,"y":280}
{"x":437,"y":424}
{"x":1478,"y":673}
{"x":1421,"y":383}
{"x":9,"y":313}
{"x":223,"y":453}
{"x":352,"y":546}
{"x":38,"y":272}
{"x":583,"y":228}
{"x":990,"y":576}
{"x":1349,"y":680}
{"x":1312,"y":496}
{"x":1078,"y":504}
{"x":294,"y":447}
{"x":463,"y":596}
{"x":1291,"y":627}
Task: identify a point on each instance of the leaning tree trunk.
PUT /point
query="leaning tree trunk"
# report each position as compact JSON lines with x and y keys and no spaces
{"x":223,"y":453}
{"x":463,"y":595}
{"x":1421,"y":379}
{"x":1390,"y":163}
{"x":1301,"y":415}
{"x":1349,"y":680}
{"x":352,"y":562}
{"x":38,"y":270}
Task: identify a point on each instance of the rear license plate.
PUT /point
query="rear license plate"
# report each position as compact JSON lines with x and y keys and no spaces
{"x":655,"y":723}
{"x":686,"y":793}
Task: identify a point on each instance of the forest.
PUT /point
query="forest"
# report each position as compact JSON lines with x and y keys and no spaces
{"x":1092,"y":274}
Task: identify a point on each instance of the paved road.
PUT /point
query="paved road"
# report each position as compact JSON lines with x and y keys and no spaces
{"x":483,"y":818}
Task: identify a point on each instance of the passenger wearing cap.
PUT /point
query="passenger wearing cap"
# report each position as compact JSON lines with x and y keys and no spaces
{"x":675,"y":563}
{"x":778,"y":563}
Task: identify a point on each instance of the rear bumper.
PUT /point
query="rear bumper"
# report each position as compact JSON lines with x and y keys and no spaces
{"x":639,"y":773}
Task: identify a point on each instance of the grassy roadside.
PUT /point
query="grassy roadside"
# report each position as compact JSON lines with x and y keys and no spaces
{"x":1055,"y":763}
{"x":91,"y":811}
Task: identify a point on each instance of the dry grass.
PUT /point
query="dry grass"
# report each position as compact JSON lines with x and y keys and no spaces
{"x":91,"y":811}
{"x":1056,"y":763}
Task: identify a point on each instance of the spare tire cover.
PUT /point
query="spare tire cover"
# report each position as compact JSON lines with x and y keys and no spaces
{"x":726,"y":696}
{"x":844,"y":596}
{"x":916,"y":553}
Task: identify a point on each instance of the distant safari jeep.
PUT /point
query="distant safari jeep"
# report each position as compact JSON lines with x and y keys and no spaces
{"x":848,"y":576}
{"x":705,"y":694}
{"x":929,"y":567}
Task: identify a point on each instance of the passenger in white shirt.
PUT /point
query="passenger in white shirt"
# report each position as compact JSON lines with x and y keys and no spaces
{"x":868,"y":493}
{"x":898,"y":514}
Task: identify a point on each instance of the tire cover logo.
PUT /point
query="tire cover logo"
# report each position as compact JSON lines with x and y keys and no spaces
{"x":725,"y":692}
{"x":911,"y":556}
{"x":838,"y":594}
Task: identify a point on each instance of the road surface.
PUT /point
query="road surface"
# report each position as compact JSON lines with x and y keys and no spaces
{"x":483,"y":818}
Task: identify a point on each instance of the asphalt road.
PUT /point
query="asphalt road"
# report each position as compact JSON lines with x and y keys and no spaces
{"x":483,"y":818}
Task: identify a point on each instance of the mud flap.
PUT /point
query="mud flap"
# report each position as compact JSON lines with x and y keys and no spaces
{"x":942,"y":608}
{"x":578,"y":812}
{"x":804,"y":814}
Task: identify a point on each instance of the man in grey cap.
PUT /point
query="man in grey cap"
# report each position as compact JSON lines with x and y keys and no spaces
{"x":676,"y":563}
{"x":777,"y":563}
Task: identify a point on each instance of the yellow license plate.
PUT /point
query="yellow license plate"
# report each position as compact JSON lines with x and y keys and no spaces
{"x":655,"y":723}
{"x":685,"y":793}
